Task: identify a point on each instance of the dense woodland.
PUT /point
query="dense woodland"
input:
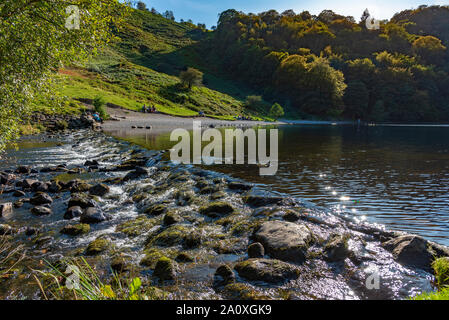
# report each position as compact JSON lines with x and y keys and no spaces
{"x":332,"y":66}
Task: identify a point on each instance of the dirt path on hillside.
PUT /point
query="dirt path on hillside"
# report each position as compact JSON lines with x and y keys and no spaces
{"x":132,"y":120}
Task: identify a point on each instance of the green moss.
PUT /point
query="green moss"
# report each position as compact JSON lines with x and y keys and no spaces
{"x":156,"y":210}
{"x":165,"y":269}
{"x":171,"y":236}
{"x":97,"y":246}
{"x":76,"y":230}
{"x":216,"y":209}
{"x":242,"y":291}
{"x":136,"y":227}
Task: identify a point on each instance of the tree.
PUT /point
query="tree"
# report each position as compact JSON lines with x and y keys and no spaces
{"x":169,"y":15}
{"x":356,"y":99}
{"x":430,"y":48}
{"x":191,"y":77}
{"x":39,"y":36}
{"x":141,"y":6}
{"x":276,"y":111}
{"x":99,"y":105}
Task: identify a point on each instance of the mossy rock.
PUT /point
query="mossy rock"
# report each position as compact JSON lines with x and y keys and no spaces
{"x":184,"y":257}
{"x":156,"y":210}
{"x":242,"y":291}
{"x":337,"y":249}
{"x":165,"y":269}
{"x":152,"y":255}
{"x":218,"y":195}
{"x":76,"y":230}
{"x":81,"y":187}
{"x":184,"y":197}
{"x":171,"y":236}
{"x":244,"y":227}
{"x":268,"y":270}
{"x":136,"y":227}
{"x":217,"y":209}
{"x":120,"y":264}
{"x":97,"y":246}
{"x":171,"y":218}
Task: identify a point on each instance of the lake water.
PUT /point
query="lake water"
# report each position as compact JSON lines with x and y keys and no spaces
{"x":392,"y":175}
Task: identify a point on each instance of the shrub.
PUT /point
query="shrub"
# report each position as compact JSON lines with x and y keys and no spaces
{"x":441,"y":269}
{"x":276,"y":111}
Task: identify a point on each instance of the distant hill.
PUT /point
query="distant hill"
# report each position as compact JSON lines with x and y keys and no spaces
{"x":141,"y":67}
{"x":325,"y":66}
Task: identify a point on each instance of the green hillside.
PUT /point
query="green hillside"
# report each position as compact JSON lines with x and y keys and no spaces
{"x":141,"y":66}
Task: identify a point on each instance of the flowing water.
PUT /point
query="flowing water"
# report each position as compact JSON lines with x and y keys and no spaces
{"x":392,"y":175}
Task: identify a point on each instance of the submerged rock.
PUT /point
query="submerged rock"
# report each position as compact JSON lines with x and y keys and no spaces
{"x":261,"y":200}
{"x":99,"y":190}
{"x":239,"y":186}
{"x":184,"y":257}
{"x":256,"y":250}
{"x":41,"y":198}
{"x":226,"y":274}
{"x":268,"y":270}
{"x":73,"y":212}
{"x":5,"y":208}
{"x":135,"y":174}
{"x":81,"y":200}
{"x":284,"y":240}
{"x":94,"y":215}
{"x":41,"y":211}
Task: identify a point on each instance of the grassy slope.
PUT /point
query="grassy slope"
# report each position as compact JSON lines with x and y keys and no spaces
{"x":124,"y":74}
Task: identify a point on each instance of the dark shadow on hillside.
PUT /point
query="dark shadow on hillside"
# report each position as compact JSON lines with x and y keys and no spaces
{"x":174,"y":62}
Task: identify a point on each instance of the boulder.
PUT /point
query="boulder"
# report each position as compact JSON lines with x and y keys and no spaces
{"x":256,"y":250}
{"x":23,"y":170}
{"x":261,"y":200}
{"x":39,"y":186}
{"x":216,"y":209}
{"x":268,"y":270}
{"x":81,"y":200}
{"x":18,"y":194}
{"x":284,"y":240}
{"x":73,"y":212}
{"x":76,"y":230}
{"x":291,"y":216}
{"x":226,"y":274}
{"x":410,"y":250}
{"x":97,"y":246}
{"x":99,"y":190}
{"x":27,"y":183}
{"x":94,"y":215}
{"x":41,"y":198}
{"x":5,"y":208}
{"x":41,"y":211}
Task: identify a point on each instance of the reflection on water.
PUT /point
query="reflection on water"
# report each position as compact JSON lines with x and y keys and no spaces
{"x":394,"y":175}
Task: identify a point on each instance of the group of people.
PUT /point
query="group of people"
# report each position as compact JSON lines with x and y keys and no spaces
{"x":149,"y":109}
{"x":244,"y":118}
{"x":97,"y":117}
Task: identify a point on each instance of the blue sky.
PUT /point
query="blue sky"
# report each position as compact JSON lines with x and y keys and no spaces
{"x":206,"y":11}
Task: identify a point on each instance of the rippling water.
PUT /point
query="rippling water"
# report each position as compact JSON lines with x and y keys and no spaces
{"x":393,"y":175}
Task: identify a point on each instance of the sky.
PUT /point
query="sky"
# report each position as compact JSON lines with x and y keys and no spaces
{"x":206,"y":11}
